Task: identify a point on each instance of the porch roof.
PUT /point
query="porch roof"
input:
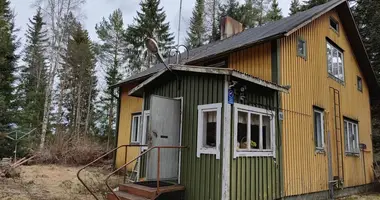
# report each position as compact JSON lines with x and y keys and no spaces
{"x":211,"y":70}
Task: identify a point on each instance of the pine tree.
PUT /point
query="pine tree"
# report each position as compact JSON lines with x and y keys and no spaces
{"x":311,"y":3}
{"x":249,"y":14}
{"x":79,"y":61}
{"x":197,"y":31}
{"x":295,"y":7}
{"x":367,"y":17}
{"x":262,"y":6}
{"x":8,"y":58}
{"x":111,"y":55}
{"x":212,"y":17}
{"x":150,"y":22}
{"x":274,"y":12}
{"x":33,"y":75}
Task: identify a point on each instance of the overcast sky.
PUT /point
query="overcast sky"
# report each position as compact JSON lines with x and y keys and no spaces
{"x":94,"y":10}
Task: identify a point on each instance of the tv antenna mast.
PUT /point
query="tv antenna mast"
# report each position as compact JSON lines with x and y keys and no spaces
{"x":179,"y":21}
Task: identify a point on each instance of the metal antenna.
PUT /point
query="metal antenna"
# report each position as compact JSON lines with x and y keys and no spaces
{"x":179,"y":21}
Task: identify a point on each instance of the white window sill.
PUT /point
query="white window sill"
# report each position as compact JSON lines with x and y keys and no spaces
{"x":241,"y":153}
{"x":353,"y":154}
{"x":320,"y":150}
{"x":134,"y":143}
{"x":207,"y":151}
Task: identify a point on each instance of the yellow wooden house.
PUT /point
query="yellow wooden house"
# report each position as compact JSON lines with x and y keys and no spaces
{"x":323,"y":119}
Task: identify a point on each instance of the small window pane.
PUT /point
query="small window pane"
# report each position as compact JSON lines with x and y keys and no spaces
{"x":301,"y":48}
{"x":266,"y":132}
{"x":346,"y":136}
{"x":242,"y":130}
{"x":318,"y":128}
{"x":135,"y":128}
{"x":334,"y":24}
{"x":329,"y":57}
{"x":209,"y":129}
{"x":360,"y":84}
{"x":255,"y":131}
{"x":147,"y":129}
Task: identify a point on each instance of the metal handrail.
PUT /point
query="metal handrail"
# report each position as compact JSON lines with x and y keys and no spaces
{"x":102,"y":156}
{"x":158,"y":166}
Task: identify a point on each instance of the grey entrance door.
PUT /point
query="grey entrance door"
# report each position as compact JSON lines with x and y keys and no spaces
{"x":165,"y":119}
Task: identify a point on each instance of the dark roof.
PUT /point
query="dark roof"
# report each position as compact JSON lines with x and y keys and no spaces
{"x":259,"y":34}
{"x":274,"y":30}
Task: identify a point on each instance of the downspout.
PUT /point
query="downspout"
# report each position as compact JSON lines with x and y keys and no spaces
{"x":117,"y":123}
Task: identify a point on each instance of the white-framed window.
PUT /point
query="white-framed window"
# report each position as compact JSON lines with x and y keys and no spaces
{"x":359,"y":83}
{"x":254,"y":131}
{"x":334,"y":24}
{"x":135,"y":128}
{"x":146,"y":127}
{"x":351,"y":135}
{"x":319,"y":129}
{"x":301,"y":48}
{"x":209,"y":126}
{"x":335,"y":62}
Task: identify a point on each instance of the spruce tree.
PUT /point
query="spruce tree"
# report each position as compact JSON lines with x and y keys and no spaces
{"x":212,"y":17}
{"x":150,"y":22}
{"x":262,"y":6}
{"x":112,"y":57}
{"x":311,"y":3}
{"x":8,"y":58}
{"x":249,"y":14}
{"x":33,"y":80}
{"x":367,"y":17}
{"x":295,"y":7}
{"x":274,"y":12}
{"x":79,"y":61}
{"x":196,"y":34}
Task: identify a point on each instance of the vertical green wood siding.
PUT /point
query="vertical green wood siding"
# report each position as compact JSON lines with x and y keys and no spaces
{"x":202,"y":176}
{"x":257,"y":177}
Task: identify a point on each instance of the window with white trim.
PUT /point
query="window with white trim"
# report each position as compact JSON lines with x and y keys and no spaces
{"x":319,"y":129}
{"x":135,"y":128}
{"x":254,"y":131}
{"x":351,"y":137}
{"x":301,"y":48}
{"x":144,"y":137}
{"x":335,"y":62}
{"x":209,"y":126}
{"x":334,"y":24}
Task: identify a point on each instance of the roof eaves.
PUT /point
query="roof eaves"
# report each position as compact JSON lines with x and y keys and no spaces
{"x":291,"y":31}
{"x":259,"y":81}
{"x":146,"y":82}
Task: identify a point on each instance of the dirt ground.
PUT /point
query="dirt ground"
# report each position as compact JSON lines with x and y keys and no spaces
{"x":363,"y":197}
{"x":52,"y":182}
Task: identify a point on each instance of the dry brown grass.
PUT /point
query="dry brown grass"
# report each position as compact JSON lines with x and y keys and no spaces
{"x":69,"y":150}
{"x":54,"y":182}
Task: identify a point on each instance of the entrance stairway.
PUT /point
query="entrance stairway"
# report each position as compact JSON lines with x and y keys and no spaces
{"x":148,"y":190}
{"x":145,"y":191}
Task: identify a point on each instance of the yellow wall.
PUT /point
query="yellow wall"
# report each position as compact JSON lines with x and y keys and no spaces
{"x":128,"y":105}
{"x":255,"y":60}
{"x":304,"y":170}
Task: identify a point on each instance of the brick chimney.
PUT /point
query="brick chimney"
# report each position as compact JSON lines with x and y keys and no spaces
{"x":229,"y":27}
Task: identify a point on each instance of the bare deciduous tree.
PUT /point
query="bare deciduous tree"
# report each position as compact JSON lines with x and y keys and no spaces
{"x":54,"y":13}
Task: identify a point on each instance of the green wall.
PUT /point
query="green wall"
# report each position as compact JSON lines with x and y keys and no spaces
{"x":201,"y":176}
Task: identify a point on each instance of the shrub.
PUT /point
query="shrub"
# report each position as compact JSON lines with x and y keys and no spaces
{"x":71,"y":150}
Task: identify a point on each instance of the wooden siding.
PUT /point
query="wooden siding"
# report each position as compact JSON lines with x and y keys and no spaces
{"x":257,"y":177}
{"x":255,"y":60}
{"x":128,"y":105}
{"x":201,"y":176}
{"x":306,"y":171}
